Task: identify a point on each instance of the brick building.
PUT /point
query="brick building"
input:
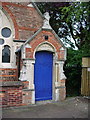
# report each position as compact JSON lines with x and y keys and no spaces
{"x":31,"y":56}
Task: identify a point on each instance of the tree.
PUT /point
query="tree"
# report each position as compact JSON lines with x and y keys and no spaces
{"x":77,"y":22}
{"x":73,"y":71}
{"x":71,"y":21}
{"x":54,"y":9}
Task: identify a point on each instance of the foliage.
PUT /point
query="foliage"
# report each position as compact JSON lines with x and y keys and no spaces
{"x":77,"y":22}
{"x":71,"y":21}
{"x":72,"y":70}
{"x":73,"y":82}
{"x":74,"y":58}
{"x":54,"y":9}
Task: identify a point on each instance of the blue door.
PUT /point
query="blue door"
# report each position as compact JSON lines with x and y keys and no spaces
{"x":43,"y":75}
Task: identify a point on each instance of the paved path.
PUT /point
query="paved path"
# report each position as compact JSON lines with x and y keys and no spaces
{"x":70,"y":108}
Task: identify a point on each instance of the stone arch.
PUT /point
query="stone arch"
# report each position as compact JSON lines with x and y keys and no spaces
{"x":45,"y":46}
{"x":7,"y":22}
{"x":12,"y":21}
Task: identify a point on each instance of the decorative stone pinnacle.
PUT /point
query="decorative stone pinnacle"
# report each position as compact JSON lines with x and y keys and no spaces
{"x":46,"y":24}
{"x":47,"y":16}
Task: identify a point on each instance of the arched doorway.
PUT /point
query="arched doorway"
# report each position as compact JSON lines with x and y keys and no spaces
{"x":43,"y":75}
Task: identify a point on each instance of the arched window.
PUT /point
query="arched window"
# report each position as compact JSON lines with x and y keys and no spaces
{"x":6,"y":54}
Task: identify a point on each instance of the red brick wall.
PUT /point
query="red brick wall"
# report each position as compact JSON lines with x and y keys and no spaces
{"x":8,"y":74}
{"x":26,"y":19}
{"x":39,"y":39}
{"x":25,"y":84}
{"x":11,"y":96}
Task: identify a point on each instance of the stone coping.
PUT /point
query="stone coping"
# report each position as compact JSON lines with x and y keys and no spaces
{"x":11,"y":83}
{"x":60,"y":87}
{"x":28,"y":90}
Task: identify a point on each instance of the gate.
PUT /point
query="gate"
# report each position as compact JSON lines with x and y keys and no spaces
{"x":85,"y":84}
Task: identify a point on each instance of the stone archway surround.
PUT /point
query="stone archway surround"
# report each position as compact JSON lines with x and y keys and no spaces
{"x":58,"y":73}
{"x":46,"y":46}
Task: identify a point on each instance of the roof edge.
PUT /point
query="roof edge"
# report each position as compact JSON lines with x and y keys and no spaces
{"x":34,"y":4}
{"x":28,"y":40}
{"x":58,"y":38}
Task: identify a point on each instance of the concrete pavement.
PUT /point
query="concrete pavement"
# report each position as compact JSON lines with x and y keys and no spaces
{"x":75,"y":107}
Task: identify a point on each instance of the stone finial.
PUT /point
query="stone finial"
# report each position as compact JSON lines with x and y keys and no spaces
{"x":47,"y":16}
{"x":46,"y":24}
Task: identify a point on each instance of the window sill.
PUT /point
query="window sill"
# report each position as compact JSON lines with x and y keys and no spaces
{"x":7,"y":65}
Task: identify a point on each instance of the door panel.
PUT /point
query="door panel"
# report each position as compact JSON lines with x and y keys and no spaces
{"x":43,"y":75}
